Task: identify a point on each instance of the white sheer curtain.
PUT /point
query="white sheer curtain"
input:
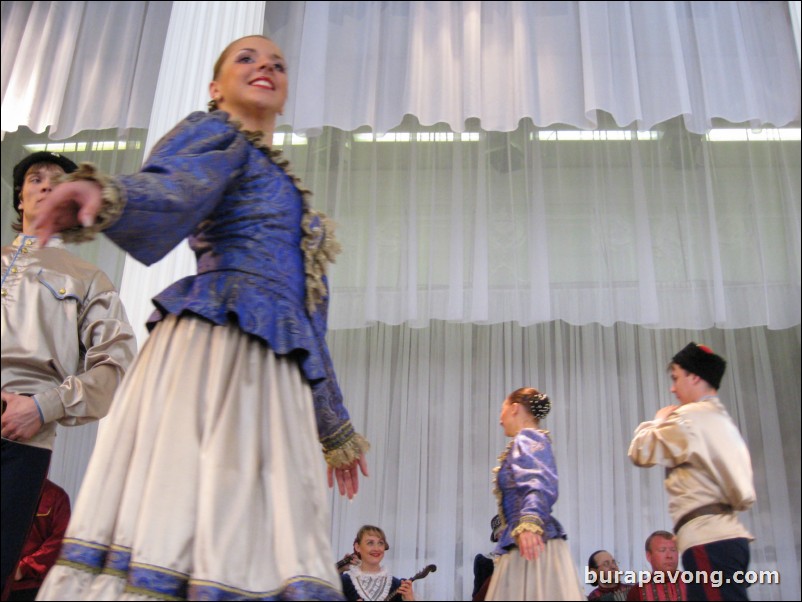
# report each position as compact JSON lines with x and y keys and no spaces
{"x":794,"y":7}
{"x":663,"y":228}
{"x":429,"y":399}
{"x":670,"y":232}
{"x":72,"y":66}
{"x":357,"y":63}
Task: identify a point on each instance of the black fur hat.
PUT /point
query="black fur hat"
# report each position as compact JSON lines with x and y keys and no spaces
{"x":700,"y":360}
{"x":40,"y":157}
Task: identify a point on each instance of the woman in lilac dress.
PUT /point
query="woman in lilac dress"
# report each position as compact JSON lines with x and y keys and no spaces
{"x":534,"y":562}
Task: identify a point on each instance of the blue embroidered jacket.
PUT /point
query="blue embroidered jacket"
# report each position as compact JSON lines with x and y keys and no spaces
{"x":526,"y":485}
{"x":242,"y":213}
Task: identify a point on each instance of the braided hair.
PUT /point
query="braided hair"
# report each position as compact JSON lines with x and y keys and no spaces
{"x":538,"y":404}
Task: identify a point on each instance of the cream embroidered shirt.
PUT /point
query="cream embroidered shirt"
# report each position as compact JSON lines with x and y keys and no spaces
{"x":706,"y":462}
{"x":66,"y":340}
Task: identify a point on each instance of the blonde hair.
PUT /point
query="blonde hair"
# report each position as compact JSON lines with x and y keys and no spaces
{"x":365,"y":529}
{"x":227,"y":50}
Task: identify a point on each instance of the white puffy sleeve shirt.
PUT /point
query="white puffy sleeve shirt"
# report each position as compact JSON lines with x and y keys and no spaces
{"x":707,"y":461}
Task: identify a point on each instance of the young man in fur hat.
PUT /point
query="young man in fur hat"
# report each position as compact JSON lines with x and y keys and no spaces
{"x":708,"y":473}
{"x":66,"y":344}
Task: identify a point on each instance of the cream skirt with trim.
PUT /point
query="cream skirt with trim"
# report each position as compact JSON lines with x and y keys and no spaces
{"x":552,"y":576}
{"x":206,"y":482}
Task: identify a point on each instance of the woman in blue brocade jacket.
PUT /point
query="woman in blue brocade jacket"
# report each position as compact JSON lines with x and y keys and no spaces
{"x":204,"y":483}
{"x":535,"y":562}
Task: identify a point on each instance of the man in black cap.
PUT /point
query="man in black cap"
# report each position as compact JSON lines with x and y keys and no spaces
{"x":708,"y":474}
{"x":66,"y":344}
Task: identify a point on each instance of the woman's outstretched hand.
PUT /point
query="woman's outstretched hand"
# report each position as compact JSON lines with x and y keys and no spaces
{"x":68,"y":205}
{"x":348,"y":476}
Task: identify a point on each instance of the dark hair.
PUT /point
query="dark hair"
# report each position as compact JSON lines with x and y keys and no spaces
{"x":592,"y":560}
{"x":536,"y":402}
{"x":364,"y":529}
{"x":592,"y":564}
{"x":21,"y":170}
{"x":664,"y":534}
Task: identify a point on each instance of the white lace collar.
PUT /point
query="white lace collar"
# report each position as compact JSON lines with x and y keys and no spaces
{"x":371,"y":586}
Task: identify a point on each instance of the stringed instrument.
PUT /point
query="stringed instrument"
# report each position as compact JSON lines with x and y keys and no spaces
{"x":430,"y":568}
{"x":346,"y":560}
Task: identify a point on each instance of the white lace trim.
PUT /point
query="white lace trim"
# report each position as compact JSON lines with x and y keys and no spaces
{"x":371,"y":586}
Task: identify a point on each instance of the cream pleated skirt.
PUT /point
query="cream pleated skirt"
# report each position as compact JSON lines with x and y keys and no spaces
{"x":206,"y":482}
{"x":552,"y":576}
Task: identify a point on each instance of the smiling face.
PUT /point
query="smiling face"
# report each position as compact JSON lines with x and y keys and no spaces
{"x":251,"y":81}
{"x":36,"y":186}
{"x":371,"y":547}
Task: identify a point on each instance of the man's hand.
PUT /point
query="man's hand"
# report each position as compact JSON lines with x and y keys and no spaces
{"x":663,"y":413}
{"x":20,"y":419}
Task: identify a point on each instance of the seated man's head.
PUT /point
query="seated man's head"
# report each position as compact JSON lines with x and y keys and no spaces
{"x":661,"y":552}
{"x":604,"y":565}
